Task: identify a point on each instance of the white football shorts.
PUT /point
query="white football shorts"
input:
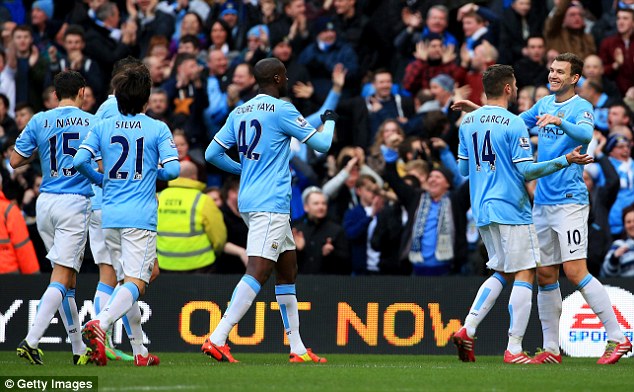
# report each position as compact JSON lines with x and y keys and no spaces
{"x":134,"y":250}
{"x":269,"y":234}
{"x":511,"y":248}
{"x":562,"y":231}
{"x":98,"y":244}
{"x":62,"y":221}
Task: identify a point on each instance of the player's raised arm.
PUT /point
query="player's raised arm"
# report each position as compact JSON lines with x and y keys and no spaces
{"x":321,"y":141}
{"x":581,"y":132}
{"x":532,"y":170}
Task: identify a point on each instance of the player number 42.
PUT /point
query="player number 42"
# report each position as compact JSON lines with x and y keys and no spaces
{"x":245,"y":148}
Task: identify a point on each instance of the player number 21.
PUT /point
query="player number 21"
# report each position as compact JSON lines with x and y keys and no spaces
{"x":487,"y":155}
{"x":245,"y":148}
{"x":114,"y":173}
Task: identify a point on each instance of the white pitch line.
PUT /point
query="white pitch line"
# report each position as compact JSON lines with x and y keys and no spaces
{"x":153,"y":388}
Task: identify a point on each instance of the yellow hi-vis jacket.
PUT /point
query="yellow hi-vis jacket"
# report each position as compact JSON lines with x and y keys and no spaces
{"x":191,"y":229}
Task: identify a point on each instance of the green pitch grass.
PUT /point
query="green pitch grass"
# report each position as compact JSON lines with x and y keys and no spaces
{"x":272,"y":372}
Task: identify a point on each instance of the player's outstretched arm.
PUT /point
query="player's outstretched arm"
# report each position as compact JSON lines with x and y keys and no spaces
{"x":464,"y":105}
{"x":321,"y":141}
{"x":532,"y":170}
{"x":169,"y":171}
{"x":215,"y":154}
{"x":81,"y":162}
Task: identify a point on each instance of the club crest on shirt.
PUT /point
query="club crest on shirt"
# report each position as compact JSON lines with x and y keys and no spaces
{"x":525,"y":143}
{"x":561,"y":114}
{"x":301,"y":121}
{"x":274,"y":245}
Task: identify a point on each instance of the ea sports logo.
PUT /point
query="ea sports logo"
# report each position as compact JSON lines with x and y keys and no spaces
{"x":581,"y":333}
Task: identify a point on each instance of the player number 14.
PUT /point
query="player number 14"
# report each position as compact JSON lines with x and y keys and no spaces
{"x":487,"y":155}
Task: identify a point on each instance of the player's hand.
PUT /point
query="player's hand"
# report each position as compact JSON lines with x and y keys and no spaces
{"x":464,"y":105}
{"x":546,"y":119}
{"x":329,"y":115}
{"x":576,"y":157}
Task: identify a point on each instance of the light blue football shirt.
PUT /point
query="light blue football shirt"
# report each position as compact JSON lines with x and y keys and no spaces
{"x":565,"y":186}
{"x":57,"y":134}
{"x":262,"y":129}
{"x":493,"y":139}
{"x":130,"y":147}
{"x":107,"y":109}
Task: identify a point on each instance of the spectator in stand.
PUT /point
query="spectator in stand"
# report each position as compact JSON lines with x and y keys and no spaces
{"x":237,"y":15}
{"x":442,"y":89}
{"x":606,"y":25}
{"x":616,"y":52}
{"x":432,"y":58}
{"x":187,"y":98}
{"x":23,"y":114}
{"x":389,"y":130}
{"x":340,"y":189}
{"x":17,"y":255}
{"x":30,"y":68}
{"x":428,"y":238}
{"x":159,"y":69}
{"x":234,"y":258}
{"x":45,"y":28}
{"x":484,"y":55}
{"x":359,"y":223}
{"x":107,"y":41}
{"x":191,"y":24}
{"x":592,"y":91}
{"x":564,"y":30}
{"x":49,"y":98}
{"x":321,"y":56}
{"x":257,"y":47}
{"x":7,"y":72}
{"x":352,"y":26}
{"x":157,"y":106}
{"x":220,"y":38}
{"x":292,"y":24}
{"x":619,"y":147}
{"x":243,"y":82}
{"x":149,"y":21}
{"x":216,"y":113}
{"x":74,"y":45}
{"x":531,"y":69}
{"x":90,"y":101}
{"x":297,"y":76}
{"x":182,"y":148}
{"x":519,"y":22}
{"x":8,"y":128}
{"x":619,"y":261}
{"x":602,"y":198}
{"x":322,"y":246}
{"x":190,"y":231}
{"x":619,"y":114}
{"x":479,"y":24}
{"x":593,"y":69}
{"x":190,"y":44}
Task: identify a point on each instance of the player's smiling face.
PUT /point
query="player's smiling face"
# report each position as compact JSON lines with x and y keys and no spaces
{"x":559,"y":77}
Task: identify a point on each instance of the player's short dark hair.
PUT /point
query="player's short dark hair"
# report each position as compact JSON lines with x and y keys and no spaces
{"x":576,"y":64}
{"x":68,"y":83}
{"x":495,"y":78}
{"x":124,"y":63}
{"x":265,"y":71}
{"x":75,"y":30}
{"x":132,"y":89}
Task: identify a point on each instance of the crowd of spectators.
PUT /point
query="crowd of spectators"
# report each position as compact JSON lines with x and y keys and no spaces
{"x":387,"y":198}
